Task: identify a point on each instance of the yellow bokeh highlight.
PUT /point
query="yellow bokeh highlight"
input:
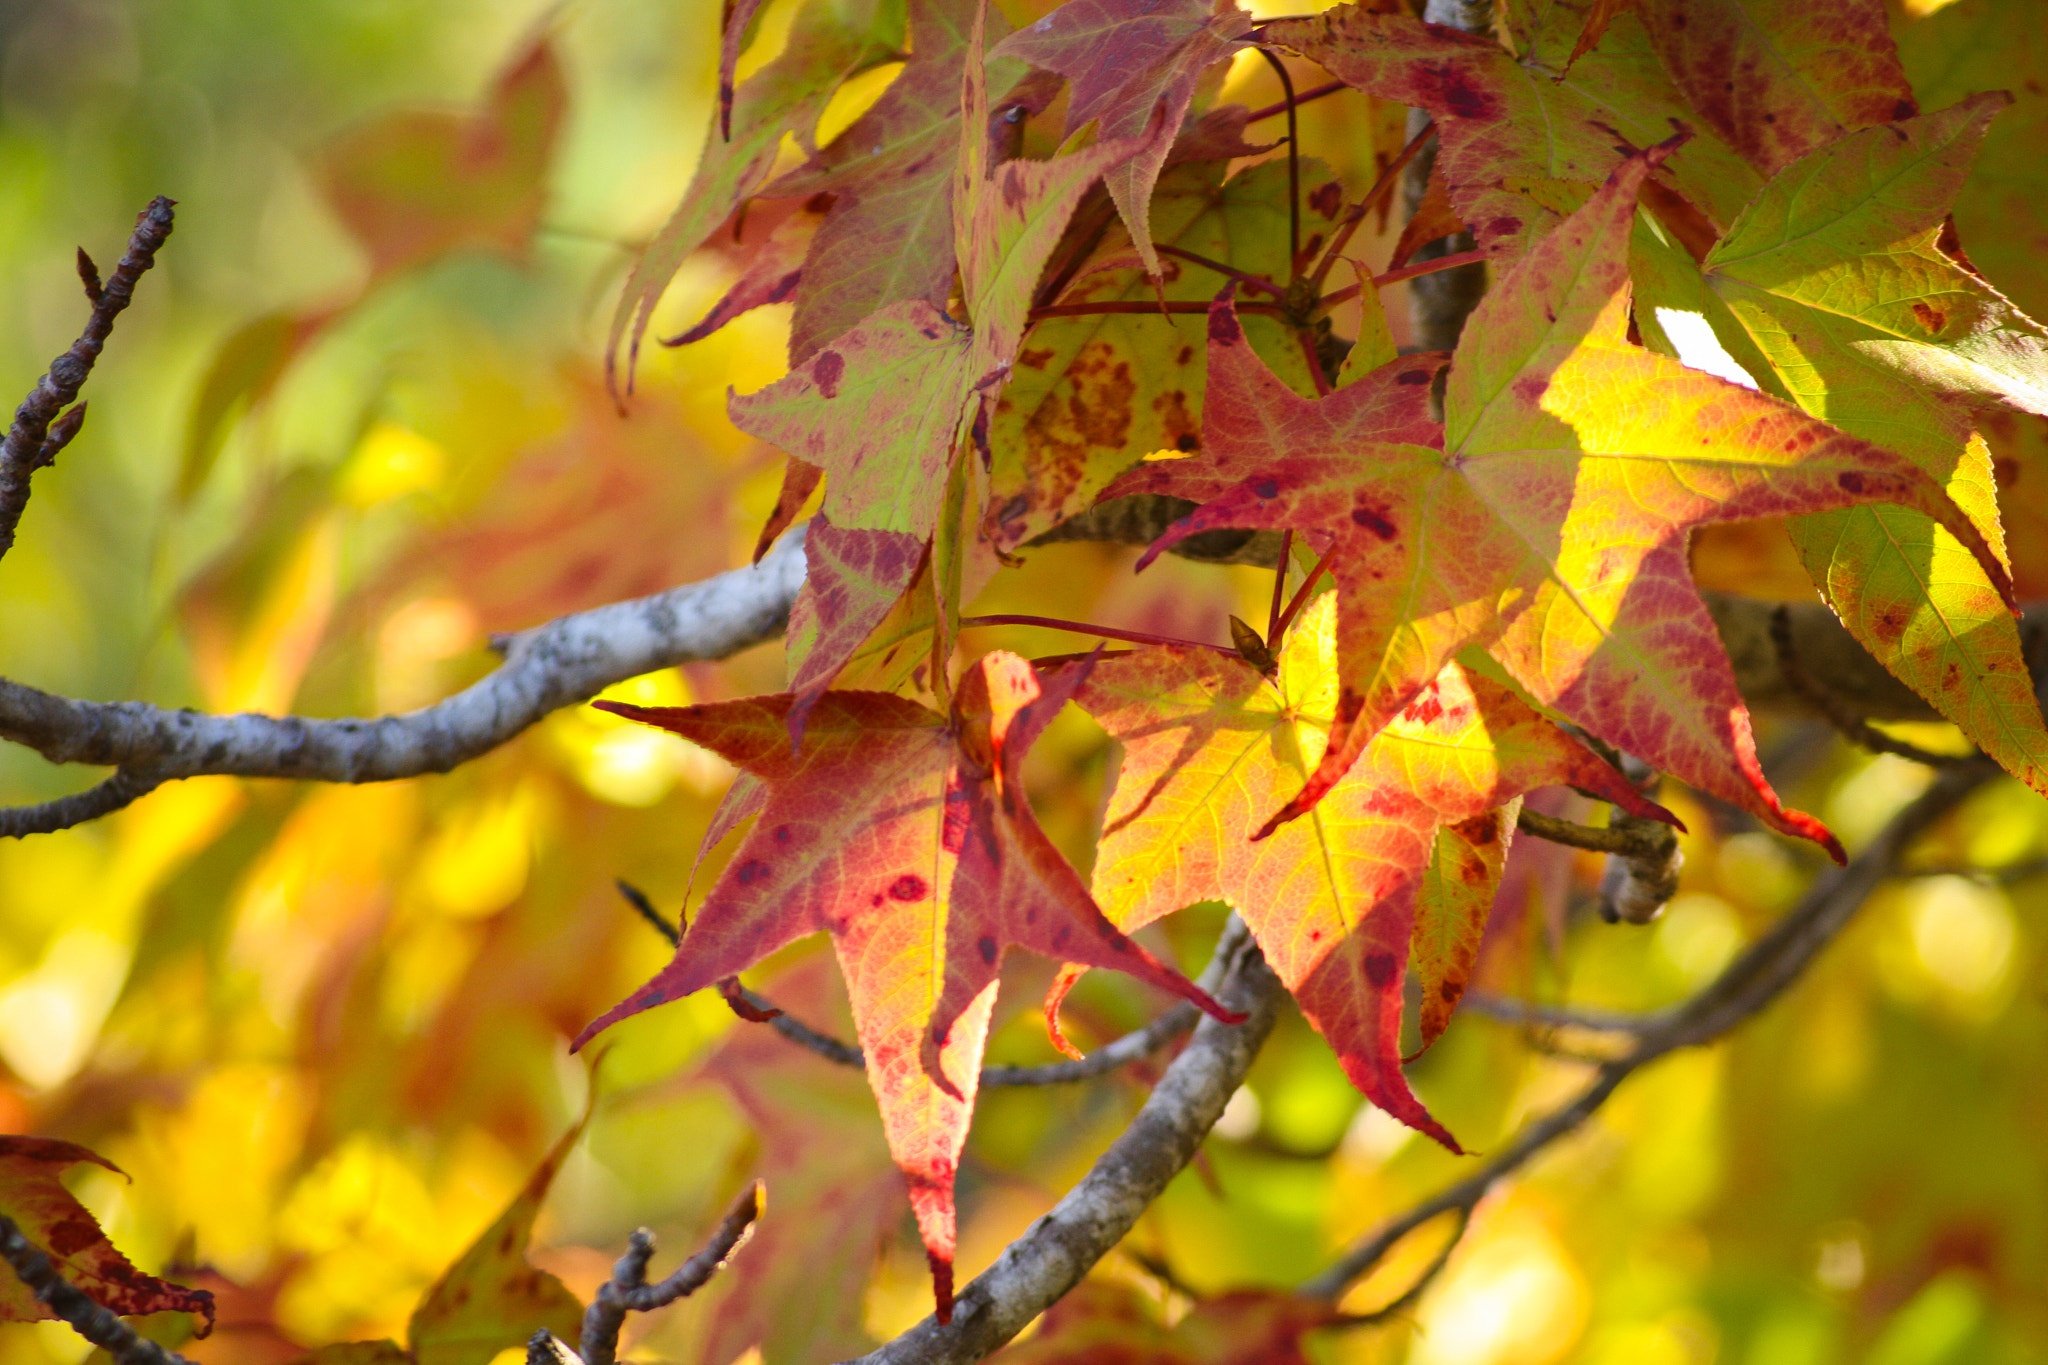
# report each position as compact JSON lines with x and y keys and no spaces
{"x":270,"y":658}
{"x":1512,"y":1296}
{"x":376,"y":1227}
{"x":215,"y":1164}
{"x":625,"y":763}
{"x":390,"y":462}
{"x":51,"y":1013}
{"x":327,"y":868}
{"x":477,"y":863}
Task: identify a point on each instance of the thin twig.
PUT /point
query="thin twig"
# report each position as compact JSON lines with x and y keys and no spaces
{"x":32,"y":442}
{"x":627,"y":1291}
{"x":95,"y":1322}
{"x":1508,"y":1011}
{"x":1853,"y":727}
{"x":1136,"y":637}
{"x":122,"y":789}
{"x":1274,"y":614}
{"x":757,"y":1008}
{"x":1627,"y":841}
{"x":1746,"y":986}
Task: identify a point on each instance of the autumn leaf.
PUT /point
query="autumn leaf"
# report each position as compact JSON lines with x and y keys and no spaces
{"x":769,"y":274}
{"x":32,"y":1194}
{"x":1776,"y":78}
{"x":1451,"y":909}
{"x":1123,"y":60}
{"x":1954,"y":53}
{"x":907,"y":836}
{"x":1523,"y":141}
{"x":841,"y":38}
{"x":888,"y":236}
{"x":414,"y":186}
{"x":1211,"y":746}
{"x":1548,"y":522}
{"x":1091,"y":395}
{"x":796,"y":1294}
{"x":1834,"y":278}
{"x":491,"y":1299}
{"x":883,"y":409}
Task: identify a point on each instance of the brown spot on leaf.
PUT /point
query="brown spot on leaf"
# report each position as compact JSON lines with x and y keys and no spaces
{"x":986,"y":946}
{"x":1327,"y":198}
{"x":1890,"y":624}
{"x":1223,"y":328}
{"x":826,"y":371}
{"x":909,"y":887}
{"x":1851,"y":482}
{"x":1035,"y":359}
{"x":1380,"y":969}
{"x":1413,"y":377}
{"x":751,"y":871}
{"x":1266,"y":488}
{"x":1374,"y":519}
{"x":1933,"y":319}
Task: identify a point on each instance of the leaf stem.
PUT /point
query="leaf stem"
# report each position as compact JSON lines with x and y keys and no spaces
{"x":1279,"y":588}
{"x":1232,"y":272}
{"x":1297,"y":602}
{"x":1281,"y":106}
{"x":1406,"y":272}
{"x":1081,"y":310}
{"x":1293,"y":159}
{"x":1136,"y":637}
{"x":1381,"y":188}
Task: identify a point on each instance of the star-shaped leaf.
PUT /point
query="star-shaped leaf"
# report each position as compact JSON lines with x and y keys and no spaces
{"x":1548,"y":522}
{"x":53,"y":1220}
{"x":907,"y":836}
{"x":1211,"y":746}
{"x":1833,"y":285}
{"x":1123,"y":59}
{"x":889,"y":233}
{"x":1524,"y":140}
{"x":1093,"y":394}
{"x":841,"y":39}
{"x":1776,"y":78}
{"x":882,"y":410}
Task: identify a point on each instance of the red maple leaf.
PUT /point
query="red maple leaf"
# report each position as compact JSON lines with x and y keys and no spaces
{"x":906,"y":835}
{"x":1547,"y":520}
{"x":1210,"y":745}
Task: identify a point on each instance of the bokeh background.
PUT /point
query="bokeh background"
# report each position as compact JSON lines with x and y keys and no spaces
{"x":357,"y":423}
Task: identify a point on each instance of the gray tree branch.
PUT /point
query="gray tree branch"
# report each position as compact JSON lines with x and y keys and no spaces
{"x":89,"y":1318}
{"x":1037,"y":1269}
{"x":1758,"y":976}
{"x":566,"y":661}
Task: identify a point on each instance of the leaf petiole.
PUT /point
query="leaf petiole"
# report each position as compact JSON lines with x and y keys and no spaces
{"x":1136,"y":637}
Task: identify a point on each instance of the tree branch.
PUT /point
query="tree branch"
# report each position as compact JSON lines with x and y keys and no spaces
{"x":627,"y":1291}
{"x":38,"y":433}
{"x":566,"y":661}
{"x":91,"y":1320}
{"x":1037,"y":1269}
{"x":1760,"y":974}
{"x":125,"y":786}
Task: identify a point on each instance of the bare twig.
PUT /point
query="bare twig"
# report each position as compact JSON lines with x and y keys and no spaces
{"x":627,"y":1291}
{"x":38,"y":432}
{"x":1506,"y":1011}
{"x":93,"y":1321}
{"x":1746,"y":986}
{"x":1038,"y":1268}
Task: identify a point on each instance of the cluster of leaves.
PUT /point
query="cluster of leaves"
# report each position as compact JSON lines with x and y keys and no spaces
{"x":984,"y":342}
